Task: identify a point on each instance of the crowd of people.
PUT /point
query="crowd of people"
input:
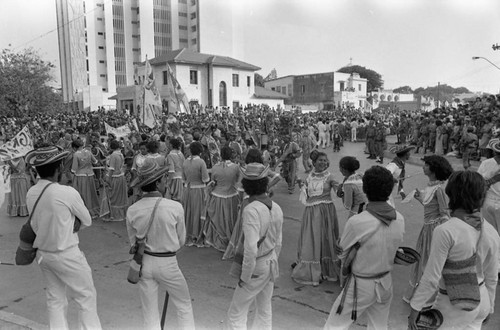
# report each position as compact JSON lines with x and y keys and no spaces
{"x":206,"y":180}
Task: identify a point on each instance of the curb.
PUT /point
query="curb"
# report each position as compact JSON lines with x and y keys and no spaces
{"x":20,"y":321}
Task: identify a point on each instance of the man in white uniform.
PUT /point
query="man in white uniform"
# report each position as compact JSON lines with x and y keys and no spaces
{"x":166,"y":235}
{"x":260,"y":245}
{"x":59,"y":214}
{"x":379,"y":231}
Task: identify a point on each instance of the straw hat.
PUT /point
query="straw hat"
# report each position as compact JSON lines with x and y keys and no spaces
{"x":429,"y":319}
{"x":494,"y":145}
{"x":149,"y":172}
{"x":400,"y":149}
{"x":406,"y":256}
{"x":254,"y":171}
{"x":45,"y":155}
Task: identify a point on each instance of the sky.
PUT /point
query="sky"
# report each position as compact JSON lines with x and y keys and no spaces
{"x":409,"y":42}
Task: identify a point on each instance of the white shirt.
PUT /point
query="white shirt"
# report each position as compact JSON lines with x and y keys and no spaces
{"x":456,"y":240}
{"x":54,"y":216}
{"x":321,"y":128}
{"x":488,"y":169}
{"x":380,"y":246}
{"x":168,"y":231}
{"x":257,"y":222}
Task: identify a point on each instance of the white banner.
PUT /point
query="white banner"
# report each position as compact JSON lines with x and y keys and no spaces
{"x":119,"y":132}
{"x":19,"y":146}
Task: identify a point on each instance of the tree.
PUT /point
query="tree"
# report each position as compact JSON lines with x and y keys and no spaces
{"x":403,"y":90}
{"x":258,"y":80}
{"x":374,"y":79}
{"x":24,"y":78}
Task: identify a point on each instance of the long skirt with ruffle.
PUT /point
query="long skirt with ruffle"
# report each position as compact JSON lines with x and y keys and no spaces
{"x":193,"y":202}
{"x":237,"y":231}
{"x":19,"y":185}
{"x":316,"y":254}
{"x":85,"y":185}
{"x":118,"y":198}
{"x":424,"y":248}
{"x":221,"y":216}
{"x":176,"y":189}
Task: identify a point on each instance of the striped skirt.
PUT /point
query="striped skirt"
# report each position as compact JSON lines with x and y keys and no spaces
{"x":118,"y":198}
{"x":193,"y":202}
{"x":176,"y":189}
{"x":19,"y":185}
{"x":318,"y":237}
{"x":221,"y":216}
{"x":85,"y":185}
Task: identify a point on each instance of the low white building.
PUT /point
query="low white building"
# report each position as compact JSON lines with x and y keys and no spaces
{"x":212,"y":80}
{"x":387,"y":95}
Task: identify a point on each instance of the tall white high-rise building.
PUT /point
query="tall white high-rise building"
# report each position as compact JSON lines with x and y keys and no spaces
{"x":100,"y":42}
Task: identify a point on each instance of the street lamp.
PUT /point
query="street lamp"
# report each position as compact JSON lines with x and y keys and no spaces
{"x":484,"y":58}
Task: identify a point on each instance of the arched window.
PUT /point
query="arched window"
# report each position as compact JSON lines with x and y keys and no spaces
{"x":222,"y":94}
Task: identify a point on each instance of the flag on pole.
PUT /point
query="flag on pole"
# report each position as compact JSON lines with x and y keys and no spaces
{"x":18,"y":146}
{"x":151,"y":98}
{"x":177,"y":98}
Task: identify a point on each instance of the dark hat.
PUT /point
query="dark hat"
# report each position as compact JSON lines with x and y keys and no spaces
{"x":400,"y":149}
{"x":149,"y":172}
{"x":429,"y":319}
{"x":406,"y":256}
{"x":45,"y":155}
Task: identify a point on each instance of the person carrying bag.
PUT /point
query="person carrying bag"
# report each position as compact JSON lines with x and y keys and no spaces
{"x":134,"y":272}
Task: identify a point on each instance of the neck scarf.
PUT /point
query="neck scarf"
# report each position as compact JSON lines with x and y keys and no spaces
{"x":382,"y":211}
{"x":263,"y":198}
{"x":473,"y":219}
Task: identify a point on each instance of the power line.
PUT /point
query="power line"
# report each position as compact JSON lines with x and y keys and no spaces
{"x":59,"y":27}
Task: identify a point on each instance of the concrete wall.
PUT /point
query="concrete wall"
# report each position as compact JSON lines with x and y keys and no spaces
{"x":314,"y":88}
{"x":278,"y":84}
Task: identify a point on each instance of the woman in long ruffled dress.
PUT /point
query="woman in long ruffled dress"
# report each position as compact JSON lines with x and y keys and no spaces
{"x":223,"y":201}
{"x":195,"y":175}
{"x":175,"y":161}
{"x":316,"y":254}
{"x":19,"y":185}
{"x":118,"y":198}
{"x":83,"y":180}
{"x":435,"y":202}
{"x":253,"y":156}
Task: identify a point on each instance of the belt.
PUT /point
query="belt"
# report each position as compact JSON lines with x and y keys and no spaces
{"x":372,"y":277}
{"x":160,"y":254}
{"x":443,"y":291}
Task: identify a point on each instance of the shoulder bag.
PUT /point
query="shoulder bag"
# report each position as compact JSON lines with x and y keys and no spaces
{"x":237,"y":265}
{"x":26,"y":253}
{"x":460,"y":279}
{"x":134,"y":272}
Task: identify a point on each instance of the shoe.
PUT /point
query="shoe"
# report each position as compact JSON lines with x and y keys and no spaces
{"x":293,"y":265}
{"x":379,"y":161}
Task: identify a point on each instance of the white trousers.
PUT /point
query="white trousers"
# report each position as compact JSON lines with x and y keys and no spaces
{"x":455,"y":318}
{"x":69,"y":273}
{"x":374,"y":299}
{"x":354,"y":134}
{"x":259,"y":289}
{"x":164,"y":272}
{"x":322,"y":141}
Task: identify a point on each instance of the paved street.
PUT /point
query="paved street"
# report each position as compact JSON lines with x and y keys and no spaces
{"x":294,"y":306}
